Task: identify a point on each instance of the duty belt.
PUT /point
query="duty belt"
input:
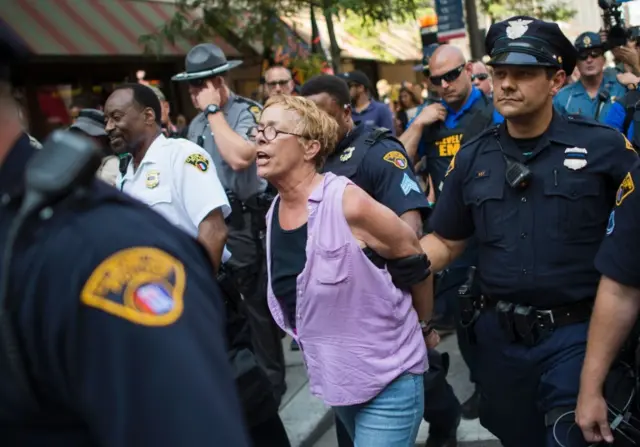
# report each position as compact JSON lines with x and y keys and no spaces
{"x":529,"y":325}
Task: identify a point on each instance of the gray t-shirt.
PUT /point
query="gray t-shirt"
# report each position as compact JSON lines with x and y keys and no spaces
{"x":241,"y":114}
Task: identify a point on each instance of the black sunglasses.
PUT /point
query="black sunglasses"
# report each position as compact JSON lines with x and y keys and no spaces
{"x":480,"y":76}
{"x":197,"y":82}
{"x":584,"y":55}
{"x":448,"y":77}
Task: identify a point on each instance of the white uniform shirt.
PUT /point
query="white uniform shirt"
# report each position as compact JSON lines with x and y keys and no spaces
{"x":177,"y":179}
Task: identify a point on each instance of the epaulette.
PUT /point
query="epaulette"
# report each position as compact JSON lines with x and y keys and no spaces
{"x":585,"y":121}
{"x":489,"y":131}
{"x":251,"y":102}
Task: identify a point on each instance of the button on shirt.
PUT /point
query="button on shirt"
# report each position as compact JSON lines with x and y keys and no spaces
{"x":177,"y":179}
{"x":537,"y":245}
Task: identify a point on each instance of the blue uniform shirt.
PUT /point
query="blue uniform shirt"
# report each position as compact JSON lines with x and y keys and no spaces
{"x":574,"y":99}
{"x":451,"y":122}
{"x":121,"y":325}
{"x":536,"y":246}
{"x":619,"y":254}
{"x":385,"y":173}
{"x":376,"y":114}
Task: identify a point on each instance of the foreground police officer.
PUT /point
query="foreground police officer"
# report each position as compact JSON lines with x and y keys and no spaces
{"x":615,"y":312}
{"x":222,"y":130}
{"x":436,"y":133}
{"x":112,"y":326}
{"x":535,"y":192}
{"x":596,"y":90}
{"x":374,"y":160}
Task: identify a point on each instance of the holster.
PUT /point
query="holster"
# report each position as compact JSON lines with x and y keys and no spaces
{"x":469,"y":311}
{"x":525,"y":322}
{"x":504,"y":310}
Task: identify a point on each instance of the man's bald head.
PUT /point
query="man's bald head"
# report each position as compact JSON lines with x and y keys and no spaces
{"x":446,"y":54}
{"x":450,"y":75}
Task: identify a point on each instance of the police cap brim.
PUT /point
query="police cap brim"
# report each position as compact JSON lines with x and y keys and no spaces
{"x":186,"y":76}
{"x":512,"y":58}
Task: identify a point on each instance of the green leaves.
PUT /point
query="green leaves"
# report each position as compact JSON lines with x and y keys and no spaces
{"x":497,"y":10}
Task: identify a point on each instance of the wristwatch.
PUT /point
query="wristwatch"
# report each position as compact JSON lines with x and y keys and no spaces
{"x":211,"y":109}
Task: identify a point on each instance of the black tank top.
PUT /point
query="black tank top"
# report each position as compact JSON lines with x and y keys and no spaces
{"x":288,"y":258}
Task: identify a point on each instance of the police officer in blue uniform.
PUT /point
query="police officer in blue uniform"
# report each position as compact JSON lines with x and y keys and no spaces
{"x":624,"y":115}
{"x":376,"y":161}
{"x":436,"y":133}
{"x":597,"y":90}
{"x":615,"y":313}
{"x":536,"y":193}
{"x":112,"y":325}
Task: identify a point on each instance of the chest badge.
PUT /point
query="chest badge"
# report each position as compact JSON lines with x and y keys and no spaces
{"x":153,"y":179}
{"x":575,"y":158}
{"x":346,"y":154}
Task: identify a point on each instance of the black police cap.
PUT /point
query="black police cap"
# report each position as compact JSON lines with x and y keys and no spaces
{"x":11,"y":50}
{"x":588,"y":40}
{"x":524,"y":40}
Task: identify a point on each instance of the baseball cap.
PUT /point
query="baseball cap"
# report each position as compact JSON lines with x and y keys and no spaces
{"x":90,"y":122}
{"x":356,"y":77}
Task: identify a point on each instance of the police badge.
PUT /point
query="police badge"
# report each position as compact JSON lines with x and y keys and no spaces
{"x":517,"y":28}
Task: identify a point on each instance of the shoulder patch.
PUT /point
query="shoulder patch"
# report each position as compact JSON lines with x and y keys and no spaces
{"x":626,"y":188}
{"x":143,"y":285}
{"x":397,"y":159}
{"x":628,"y":144}
{"x":452,"y":165}
{"x":256,"y":112}
{"x":199,"y":161}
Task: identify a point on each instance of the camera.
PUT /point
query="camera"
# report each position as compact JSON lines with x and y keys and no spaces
{"x":617,"y":34}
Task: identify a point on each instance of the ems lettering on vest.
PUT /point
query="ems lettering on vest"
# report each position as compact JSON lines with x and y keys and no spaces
{"x":449,"y":146}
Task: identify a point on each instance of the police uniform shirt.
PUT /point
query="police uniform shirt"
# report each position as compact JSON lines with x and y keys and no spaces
{"x":242,"y":115}
{"x":121,"y":324}
{"x":381,"y":169}
{"x":448,"y":143}
{"x":574,"y":99}
{"x":619,"y":254}
{"x":176,"y":179}
{"x":536,"y":245}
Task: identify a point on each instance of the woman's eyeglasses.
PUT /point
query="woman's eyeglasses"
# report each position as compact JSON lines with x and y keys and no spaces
{"x":270,"y":133}
{"x":448,"y":77}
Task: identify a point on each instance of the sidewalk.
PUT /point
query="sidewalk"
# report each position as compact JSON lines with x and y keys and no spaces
{"x":310,"y":424}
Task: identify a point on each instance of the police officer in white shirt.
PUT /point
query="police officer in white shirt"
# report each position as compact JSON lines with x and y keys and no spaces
{"x":175,"y":177}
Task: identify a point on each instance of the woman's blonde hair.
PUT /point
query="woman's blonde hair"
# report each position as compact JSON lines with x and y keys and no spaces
{"x":314,"y":124}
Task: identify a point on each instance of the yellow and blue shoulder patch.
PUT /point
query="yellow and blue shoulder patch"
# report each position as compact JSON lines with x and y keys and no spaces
{"x":143,"y":285}
{"x":256,"y":112}
{"x":626,"y":188}
{"x":199,"y":161}
{"x":397,"y":159}
{"x":628,"y":144}
{"x":452,"y":165}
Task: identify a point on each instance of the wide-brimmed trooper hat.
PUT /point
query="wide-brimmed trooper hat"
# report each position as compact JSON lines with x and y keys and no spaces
{"x":204,"y":61}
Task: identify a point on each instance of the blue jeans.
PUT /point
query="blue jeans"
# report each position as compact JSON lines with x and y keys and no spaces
{"x":391,"y":419}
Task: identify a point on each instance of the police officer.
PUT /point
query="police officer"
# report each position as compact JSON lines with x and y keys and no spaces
{"x":593,"y":95}
{"x":172,"y":176}
{"x":112,"y":324}
{"x":624,"y":114}
{"x":615,"y":312}
{"x":535,"y":192}
{"x":436,"y":133}
{"x":374,"y":160}
{"x":222,"y":130}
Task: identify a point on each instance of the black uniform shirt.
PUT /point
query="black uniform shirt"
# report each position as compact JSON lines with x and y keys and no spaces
{"x":384,"y":171}
{"x":121,"y":325}
{"x":536,"y":246}
{"x":619,"y":254}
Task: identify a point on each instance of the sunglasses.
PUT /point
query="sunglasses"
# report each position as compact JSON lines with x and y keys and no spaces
{"x":448,"y":77}
{"x":480,"y":77}
{"x":584,"y":55}
{"x":197,"y":82}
